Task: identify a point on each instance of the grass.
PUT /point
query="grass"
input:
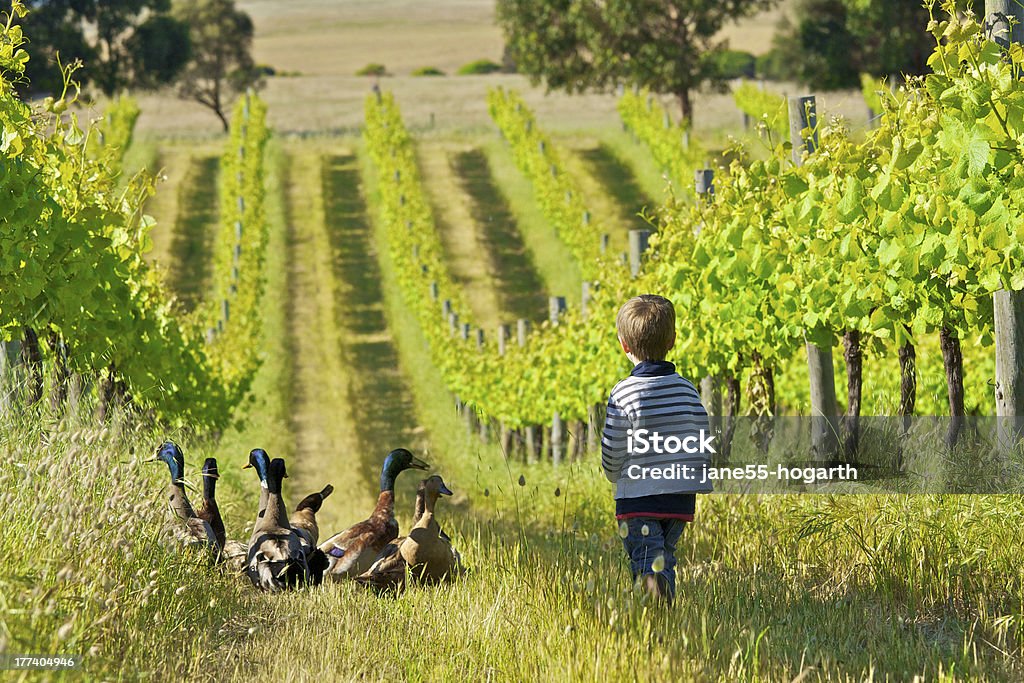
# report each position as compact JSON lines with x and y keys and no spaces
{"x":461,"y":234}
{"x":554,"y":263}
{"x":770,"y":588}
{"x":516,"y":281}
{"x":194,"y":230}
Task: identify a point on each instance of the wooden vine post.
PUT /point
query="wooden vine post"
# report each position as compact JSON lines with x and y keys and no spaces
{"x":710,"y":391}
{"x":529,"y":431}
{"x":556,"y":307}
{"x":638,"y":241}
{"x":824,"y":408}
{"x":505,"y":435}
{"x":1004,"y":23}
{"x":6,"y":379}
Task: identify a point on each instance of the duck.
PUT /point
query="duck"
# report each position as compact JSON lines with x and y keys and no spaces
{"x":208,"y":510}
{"x":303,"y":521}
{"x":276,"y":560}
{"x":428,"y":550}
{"x":260,"y":461}
{"x":232,"y":553}
{"x":351,"y":552}
{"x":387,"y":573}
{"x":194,"y":531}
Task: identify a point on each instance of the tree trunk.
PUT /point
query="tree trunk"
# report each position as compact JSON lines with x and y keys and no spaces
{"x":908,"y":394}
{"x":854,"y":382}
{"x":223,"y":119}
{"x":106,"y":390}
{"x":685,"y":106}
{"x":32,"y":358}
{"x":953,"y":362}
{"x":732,"y":413}
{"x":61,"y":373}
{"x":761,"y":392}
{"x":908,"y":382}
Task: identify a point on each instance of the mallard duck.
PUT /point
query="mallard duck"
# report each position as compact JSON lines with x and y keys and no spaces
{"x":232,"y":553}
{"x":276,"y":559}
{"x":352,"y":551}
{"x":260,"y":461}
{"x":387,"y":573}
{"x":194,"y":531}
{"x":209,"y":510}
{"x":303,"y":520}
{"x":428,"y":550}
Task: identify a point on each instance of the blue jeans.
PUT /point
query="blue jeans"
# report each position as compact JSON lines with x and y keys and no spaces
{"x":660,"y":540}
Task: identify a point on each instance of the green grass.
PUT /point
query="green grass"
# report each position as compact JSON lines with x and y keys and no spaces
{"x":520,"y":291}
{"x":194,"y":231}
{"x":552,"y":260}
{"x":770,"y":588}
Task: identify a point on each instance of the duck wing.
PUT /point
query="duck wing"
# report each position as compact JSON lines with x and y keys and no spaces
{"x":344,"y":554}
{"x":387,"y":573}
{"x":276,"y":561}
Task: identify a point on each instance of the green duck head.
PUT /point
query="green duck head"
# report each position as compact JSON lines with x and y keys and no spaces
{"x":169,"y":453}
{"x":210,"y":476}
{"x":397,"y":462}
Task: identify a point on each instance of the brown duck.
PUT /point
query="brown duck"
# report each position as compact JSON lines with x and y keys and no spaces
{"x":428,"y":551}
{"x":276,"y":558}
{"x":191,"y":530}
{"x":352,"y":551}
{"x":387,"y":573}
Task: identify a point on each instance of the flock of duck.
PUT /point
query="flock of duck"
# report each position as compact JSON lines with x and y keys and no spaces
{"x":283,"y":551}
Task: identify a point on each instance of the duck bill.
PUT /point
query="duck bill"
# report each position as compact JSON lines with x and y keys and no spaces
{"x":419,"y":464}
{"x":444,"y":490}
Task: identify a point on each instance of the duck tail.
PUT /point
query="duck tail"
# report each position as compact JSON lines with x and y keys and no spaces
{"x":314,"y":500}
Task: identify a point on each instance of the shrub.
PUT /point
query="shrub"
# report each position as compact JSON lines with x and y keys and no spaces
{"x":731,"y":64}
{"x":480,"y":66}
{"x":428,"y":71}
{"x":773,"y":66}
{"x":373,"y":69}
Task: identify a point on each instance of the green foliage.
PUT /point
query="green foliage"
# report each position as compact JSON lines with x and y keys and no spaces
{"x":669,"y":143}
{"x":114,"y":134}
{"x":732,"y":64}
{"x":122,"y":43}
{"x":478,"y":67}
{"x":427,"y":71}
{"x":220,"y":64}
{"x":764,"y":108}
{"x":872,"y":89}
{"x":666,"y":46}
{"x":372,"y":69}
{"x":772,"y":66}
{"x":77,"y":260}
{"x":830,"y":42}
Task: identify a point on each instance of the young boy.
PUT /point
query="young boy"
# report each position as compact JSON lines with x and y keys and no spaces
{"x":653,"y":508}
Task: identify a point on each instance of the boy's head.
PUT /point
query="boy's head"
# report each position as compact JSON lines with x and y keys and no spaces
{"x":647,"y":327}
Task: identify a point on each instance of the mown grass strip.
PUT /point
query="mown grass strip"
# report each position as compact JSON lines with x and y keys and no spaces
{"x":519,"y":288}
{"x":195,"y":230}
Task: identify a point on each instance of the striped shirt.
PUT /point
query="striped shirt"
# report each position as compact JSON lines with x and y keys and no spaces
{"x":654,"y":397}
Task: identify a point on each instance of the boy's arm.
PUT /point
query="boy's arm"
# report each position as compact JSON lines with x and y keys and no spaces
{"x":614,"y":441}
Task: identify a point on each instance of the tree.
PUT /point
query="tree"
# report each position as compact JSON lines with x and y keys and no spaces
{"x":818,"y":49}
{"x":668,"y":46}
{"x":106,"y":36}
{"x":829,"y":43}
{"x":221,"y":63}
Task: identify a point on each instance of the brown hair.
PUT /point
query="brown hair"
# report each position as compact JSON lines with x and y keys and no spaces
{"x":647,"y":324}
